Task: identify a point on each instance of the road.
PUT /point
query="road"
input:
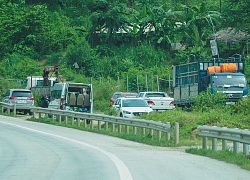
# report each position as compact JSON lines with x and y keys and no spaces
{"x":30,"y":150}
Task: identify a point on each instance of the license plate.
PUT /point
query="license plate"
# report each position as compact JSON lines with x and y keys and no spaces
{"x":230,"y":102}
{"x":20,"y":101}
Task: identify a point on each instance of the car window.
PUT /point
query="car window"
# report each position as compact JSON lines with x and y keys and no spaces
{"x":117,"y":96}
{"x":155,"y":95}
{"x":21,"y":94}
{"x":140,"y":95}
{"x":134,"y":103}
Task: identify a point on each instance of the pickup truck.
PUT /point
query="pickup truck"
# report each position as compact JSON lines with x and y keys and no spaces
{"x":158,"y":101}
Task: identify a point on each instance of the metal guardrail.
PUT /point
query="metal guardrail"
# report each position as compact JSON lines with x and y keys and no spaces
{"x":226,"y":134}
{"x":88,"y":118}
{"x":8,"y":107}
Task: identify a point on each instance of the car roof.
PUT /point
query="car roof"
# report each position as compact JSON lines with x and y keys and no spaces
{"x":129,"y":98}
{"x":125,"y":93}
{"x":152,"y":92}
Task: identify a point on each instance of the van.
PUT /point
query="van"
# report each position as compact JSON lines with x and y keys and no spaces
{"x":72,"y":96}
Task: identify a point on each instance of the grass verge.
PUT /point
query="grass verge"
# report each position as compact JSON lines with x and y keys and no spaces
{"x":227,"y":156}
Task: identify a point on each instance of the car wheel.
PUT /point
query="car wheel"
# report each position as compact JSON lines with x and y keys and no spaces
{"x":121,"y":115}
{"x":30,"y":113}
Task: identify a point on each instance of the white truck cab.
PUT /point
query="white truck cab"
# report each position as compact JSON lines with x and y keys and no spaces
{"x":72,"y":96}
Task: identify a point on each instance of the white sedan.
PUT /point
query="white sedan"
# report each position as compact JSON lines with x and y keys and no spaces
{"x":131,"y":107}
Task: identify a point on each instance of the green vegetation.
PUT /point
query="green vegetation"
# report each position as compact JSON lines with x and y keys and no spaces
{"x":116,"y":41}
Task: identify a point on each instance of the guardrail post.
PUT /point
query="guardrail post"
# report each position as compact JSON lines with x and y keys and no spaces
{"x":214,"y":144}
{"x":106,"y":126}
{"x":176,"y":132}
{"x":135,"y":130}
{"x":8,"y":110}
{"x":204,"y":142}
{"x":2,"y":109}
{"x":72,"y":121}
{"x":236,"y":147}
{"x":78,"y":121}
{"x":159,"y":135}
{"x":119,"y":128}
{"x":168,"y":134}
{"x":151,"y":132}
{"x":59,"y":119}
{"x":66,"y":119}
{"x":91,"y":124}
{"x":224,"y":144}
{"x":85,"y":123}
{"x":127,"y":129}
{"x":143,"y":130}
{"x":99,"y":125}
{"x":245,"y":149}
{"x":112,"y":127}
{"x":14,"y":110}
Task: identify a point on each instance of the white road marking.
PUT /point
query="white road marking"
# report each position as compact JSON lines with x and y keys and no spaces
{"x":121,"y":167}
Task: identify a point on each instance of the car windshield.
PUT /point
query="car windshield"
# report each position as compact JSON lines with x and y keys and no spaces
{"x":56,"y":94}
{"x":134,"y":103}
{"x":21,"y":94}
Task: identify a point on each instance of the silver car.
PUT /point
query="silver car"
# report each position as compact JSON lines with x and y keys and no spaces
{"x":23,"y":99}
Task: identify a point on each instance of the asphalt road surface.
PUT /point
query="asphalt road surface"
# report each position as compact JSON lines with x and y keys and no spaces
{"x":30,"y":150}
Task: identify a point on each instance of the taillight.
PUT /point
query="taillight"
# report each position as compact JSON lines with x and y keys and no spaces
{"x":172,"y":103}
{"x":61,"y":103}
{"x":150,"y":102}
{"x":31,"y":98}
{"x":12,"y":98}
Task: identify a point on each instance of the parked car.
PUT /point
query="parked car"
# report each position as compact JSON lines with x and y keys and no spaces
{"x":159,"y":101}
{"x":121,"y":94}
{"x":23,"y":99}
{"x":131,"y":107}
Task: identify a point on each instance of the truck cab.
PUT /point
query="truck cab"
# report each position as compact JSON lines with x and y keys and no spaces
{"x":72,"y":96}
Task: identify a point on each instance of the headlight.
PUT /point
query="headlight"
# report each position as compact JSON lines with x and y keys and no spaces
{"x":126,"y":112}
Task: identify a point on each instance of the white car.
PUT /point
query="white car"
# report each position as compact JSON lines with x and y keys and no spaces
{"x":159,"y":101}
{"x":131,"y":107}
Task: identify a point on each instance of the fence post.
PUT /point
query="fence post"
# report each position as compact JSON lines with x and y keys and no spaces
{"x":176,"y":132}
